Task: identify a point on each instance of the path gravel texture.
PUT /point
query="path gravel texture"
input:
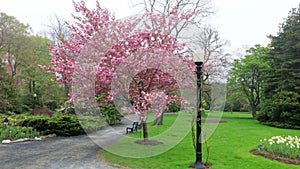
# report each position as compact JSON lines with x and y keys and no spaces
{"x":57,"y":153}
{"x":78,"y":152}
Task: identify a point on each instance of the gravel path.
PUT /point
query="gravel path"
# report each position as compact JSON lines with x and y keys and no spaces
{"x":78,"y":152}
{"x":54,"y":153}
{"x":57,"y":153}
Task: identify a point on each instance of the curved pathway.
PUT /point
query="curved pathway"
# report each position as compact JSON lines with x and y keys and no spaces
{"x":57,"y":153}
{"x":78,"y":152}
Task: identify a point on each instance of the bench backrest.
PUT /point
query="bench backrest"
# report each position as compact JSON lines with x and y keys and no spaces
{"x":135,"y":125}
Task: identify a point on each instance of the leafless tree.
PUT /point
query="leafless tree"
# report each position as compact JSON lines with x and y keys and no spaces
{"x":198,"y":35}
{"x":216,"y":61}
{"x":200,"y":10}
{"x":57,"y":30}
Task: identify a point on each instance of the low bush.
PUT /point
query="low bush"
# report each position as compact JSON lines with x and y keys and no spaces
{"x":111,"y":114}
{"x":17,"y":132}
{"x":41,"y":111}
{"x":281,"y":110}
{"x":281,"y":125}
{"x":63,"y":125}
{"x":174,"y":107}
{"x":92,"y":123}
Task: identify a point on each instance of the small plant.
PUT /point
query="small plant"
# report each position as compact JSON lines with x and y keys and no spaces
{"x":282,"y":147}
{"x":17,"y":132}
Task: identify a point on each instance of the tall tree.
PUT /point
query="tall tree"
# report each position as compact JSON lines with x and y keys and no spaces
{"x":201,"y":38}
{"x":58,"y":30}
{"x":191,"y":12}
{"x":122,"y":60}
{"x":247,"y":75}
{"x":37,"y":81}
{"x":13,"y":50}
{"x":7,"y":90}
{"x":12,"y":40}
{"x":281,"y":97}
{"x":216,"y":63}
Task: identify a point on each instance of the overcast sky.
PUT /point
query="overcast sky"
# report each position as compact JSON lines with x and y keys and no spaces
{"x":242,"y":22}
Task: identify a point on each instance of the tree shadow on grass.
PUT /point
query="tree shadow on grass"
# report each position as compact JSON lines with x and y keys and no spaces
{"x":239,"y":118}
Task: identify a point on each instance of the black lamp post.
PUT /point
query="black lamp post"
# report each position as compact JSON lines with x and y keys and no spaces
{"x":199,"y":164}
{"x":34,"y":100}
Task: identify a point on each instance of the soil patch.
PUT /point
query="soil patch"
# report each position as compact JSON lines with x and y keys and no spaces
{"x":207,"y":165}
{"x":148,"y":142}
{"x":213,"y":121}
{"x":279,"y":159}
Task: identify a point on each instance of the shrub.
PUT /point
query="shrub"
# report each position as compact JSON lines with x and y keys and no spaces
{"x":92,"y":123}
{"x":17,"y":132}
{"x":52,"y":105}
{"x":67,"y":109}
{"x":281,"y":125}
{"x":174,"y":107}
{"x":64,"y":125}
{"x":111,"y":114}
{"x":108,"y":110}
{"x":283,"y":110}
{"x":41,"y":111}
{"x":233,"y":106}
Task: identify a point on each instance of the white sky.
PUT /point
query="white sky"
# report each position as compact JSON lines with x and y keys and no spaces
{"x":242,"y":22}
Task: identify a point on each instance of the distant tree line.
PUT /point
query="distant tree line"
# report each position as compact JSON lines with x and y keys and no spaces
{"x":21,"y":78}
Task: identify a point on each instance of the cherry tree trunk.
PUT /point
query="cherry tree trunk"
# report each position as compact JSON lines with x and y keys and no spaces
{"x":159,"y":120}
{"x":145,"y":131}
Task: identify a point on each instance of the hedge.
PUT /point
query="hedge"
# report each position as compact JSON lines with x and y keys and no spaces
{"x":67,"y":125}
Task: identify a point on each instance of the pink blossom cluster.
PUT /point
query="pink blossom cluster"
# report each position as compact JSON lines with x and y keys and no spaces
{"x":139,"y":55}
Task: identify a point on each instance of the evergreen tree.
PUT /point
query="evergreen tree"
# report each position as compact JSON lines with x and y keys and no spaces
{"x":281,"y":97}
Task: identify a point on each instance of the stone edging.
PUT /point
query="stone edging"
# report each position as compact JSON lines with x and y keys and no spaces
{"x":28,"y":139}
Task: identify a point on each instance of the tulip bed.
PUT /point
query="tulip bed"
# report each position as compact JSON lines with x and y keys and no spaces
{"x":281,"y":147}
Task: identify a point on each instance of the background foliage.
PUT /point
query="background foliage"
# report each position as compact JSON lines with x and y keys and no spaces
{"x":281,"y":97}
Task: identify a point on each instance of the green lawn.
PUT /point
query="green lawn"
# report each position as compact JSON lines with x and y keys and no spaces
{"x":230,"y":146}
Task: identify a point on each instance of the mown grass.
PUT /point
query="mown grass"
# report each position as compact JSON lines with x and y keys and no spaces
{"x":230,"y":146}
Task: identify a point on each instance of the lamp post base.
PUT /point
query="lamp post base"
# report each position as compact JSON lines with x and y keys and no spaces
{"x":199,"y":165}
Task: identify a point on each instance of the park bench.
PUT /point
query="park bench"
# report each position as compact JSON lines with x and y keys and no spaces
{"x":139,"y":126}
{"x":134,"y":127}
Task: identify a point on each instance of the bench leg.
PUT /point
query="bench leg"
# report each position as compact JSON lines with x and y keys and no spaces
{"x":129,"y":130}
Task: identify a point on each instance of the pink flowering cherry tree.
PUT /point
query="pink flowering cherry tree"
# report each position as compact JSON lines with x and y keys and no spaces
{"x":135,"y":60}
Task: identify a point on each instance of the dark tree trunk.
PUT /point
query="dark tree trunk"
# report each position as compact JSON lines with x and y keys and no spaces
{"x":159,"y":120}
{"x":253,"y":110}
{"x":145,"y":131}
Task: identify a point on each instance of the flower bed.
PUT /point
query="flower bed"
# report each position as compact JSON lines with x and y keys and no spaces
{"x":17,"y":132}
{"x":279,"y":147}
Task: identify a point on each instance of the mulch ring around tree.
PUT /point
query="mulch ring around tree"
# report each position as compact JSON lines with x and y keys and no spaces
{"x":279,"y":159}
{"x":148,"y":142}
{"x":212,"y":121}
{"x":207,"y":165}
